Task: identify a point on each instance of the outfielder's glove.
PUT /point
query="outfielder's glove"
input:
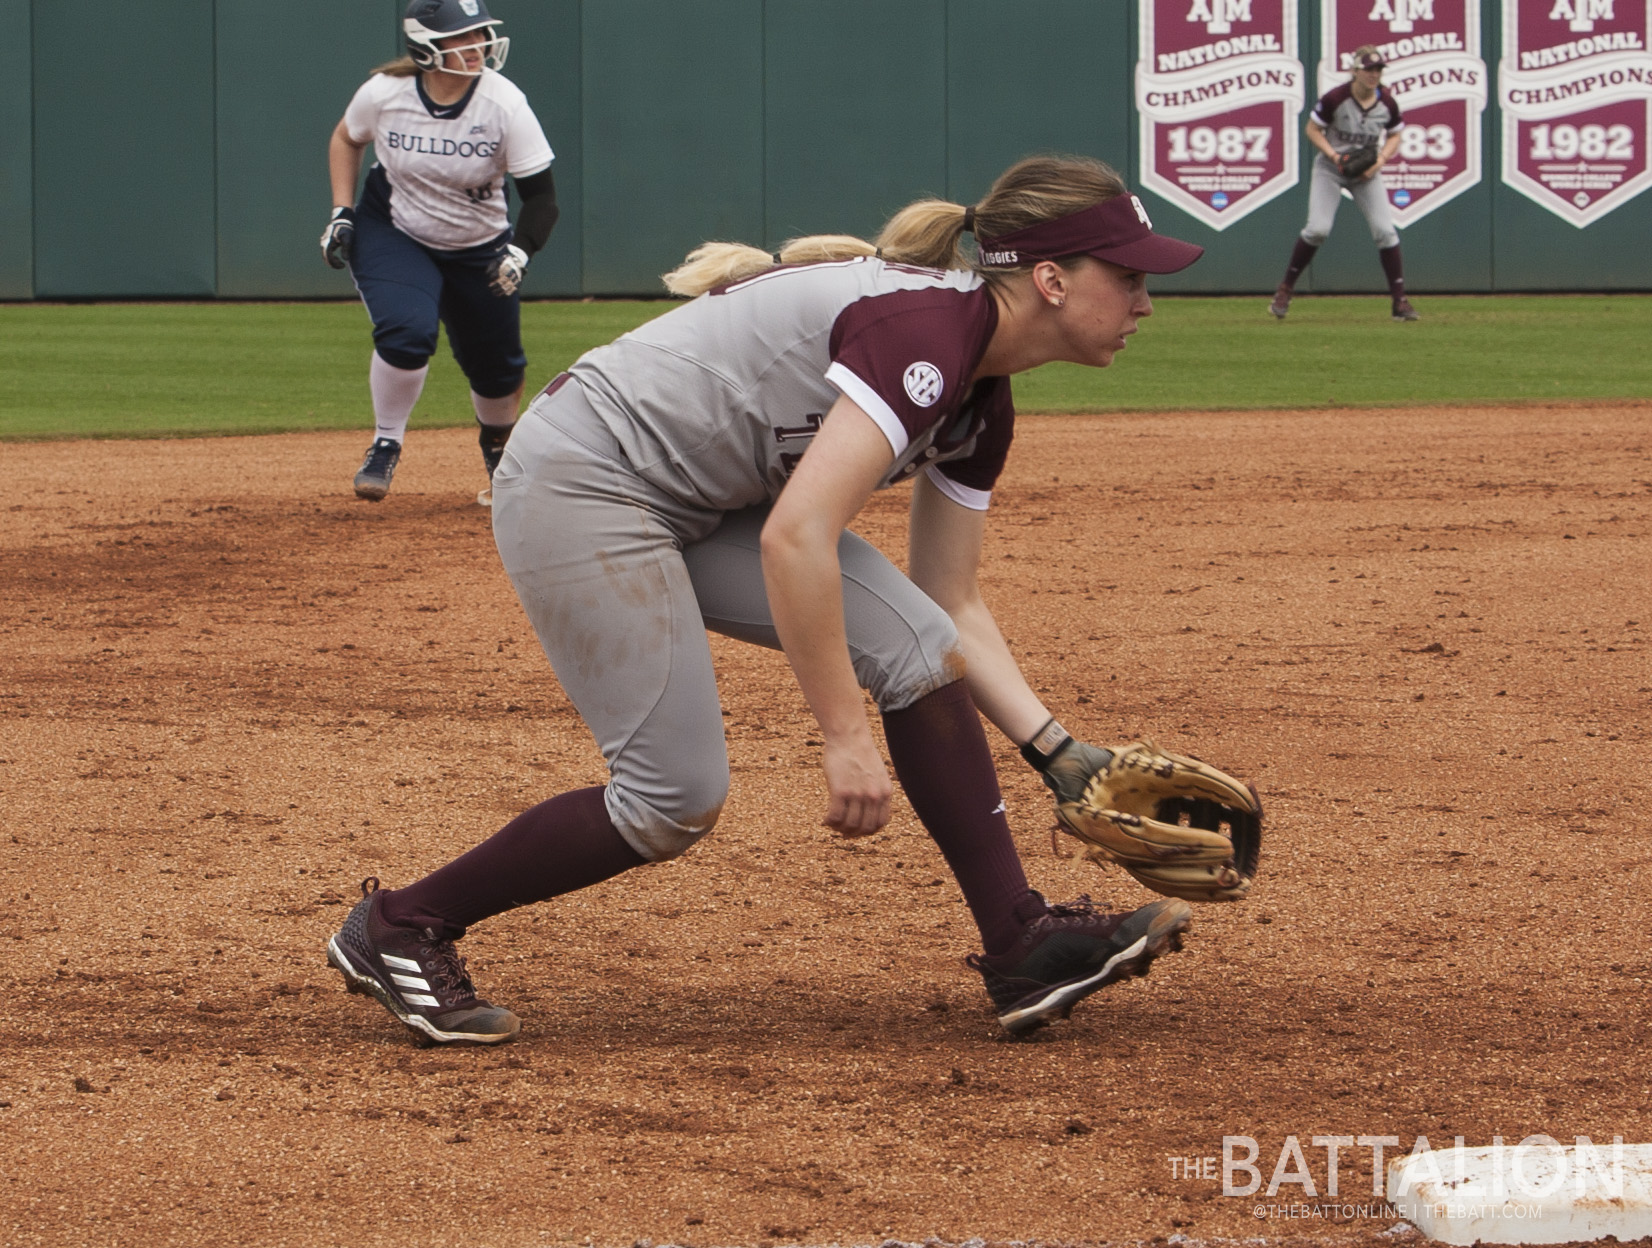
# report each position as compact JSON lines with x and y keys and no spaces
{"x":339,"y":237}
{"x":1181,"y":827}
{"x":1352,"y":165}
{"x":505,"y":274}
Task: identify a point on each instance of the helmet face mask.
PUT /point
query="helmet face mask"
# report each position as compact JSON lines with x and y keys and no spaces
{"x":428,"y":22}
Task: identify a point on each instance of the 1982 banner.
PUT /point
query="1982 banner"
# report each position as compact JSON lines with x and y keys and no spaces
{"x":1435,"y":72}
{"x":1219,"y":87}
{"x":1576,"y":88}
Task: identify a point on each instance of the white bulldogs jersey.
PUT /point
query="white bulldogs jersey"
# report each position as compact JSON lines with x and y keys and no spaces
{"x":716,"y":401}
{"x":1348,"y":126}
{"x":447,"y":173}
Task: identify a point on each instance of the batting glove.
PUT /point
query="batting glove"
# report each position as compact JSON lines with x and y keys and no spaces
{"x":1065,"y":762}
{"x":505,"y":274}
{"x":339,"y":237}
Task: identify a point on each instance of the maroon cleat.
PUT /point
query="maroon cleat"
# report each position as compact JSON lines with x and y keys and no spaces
{"x":1073,"y":950}
{"x":418,"y":977}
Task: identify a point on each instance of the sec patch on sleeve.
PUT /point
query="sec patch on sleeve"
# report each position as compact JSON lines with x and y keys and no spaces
{"x":924,"y":383}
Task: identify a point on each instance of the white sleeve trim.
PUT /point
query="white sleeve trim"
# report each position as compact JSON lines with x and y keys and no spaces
{"x":528,"y":173}
{"x":537,"y":160}
{"x":870,"y":402}
{"x":963,"y":495}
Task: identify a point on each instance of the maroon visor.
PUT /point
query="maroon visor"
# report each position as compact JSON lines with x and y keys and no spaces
{"x":1116,"y":230}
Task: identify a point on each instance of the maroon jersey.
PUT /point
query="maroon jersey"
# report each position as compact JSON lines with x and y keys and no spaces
{"x":1350,"y":125}
{"x":717,"y":400}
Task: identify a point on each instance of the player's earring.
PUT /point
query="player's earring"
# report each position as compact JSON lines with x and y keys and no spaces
{"x":1060,"y":303}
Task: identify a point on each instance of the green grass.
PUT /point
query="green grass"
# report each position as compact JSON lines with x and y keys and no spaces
{"x":158,"y":370}
{"x":150,"y":370}
{"x":1346,"y":352}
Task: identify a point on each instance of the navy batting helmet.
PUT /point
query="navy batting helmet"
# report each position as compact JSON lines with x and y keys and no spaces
{"x":427,"y":21}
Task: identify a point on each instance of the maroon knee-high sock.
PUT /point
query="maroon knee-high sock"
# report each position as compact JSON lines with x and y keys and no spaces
{"x":943,"y":763}
{"x":559,"y":846}
{"x":1394,"y":270}
{"x":1301,"y":257}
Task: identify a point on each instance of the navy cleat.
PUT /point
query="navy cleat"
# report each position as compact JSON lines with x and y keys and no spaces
{"x":373,"y":480}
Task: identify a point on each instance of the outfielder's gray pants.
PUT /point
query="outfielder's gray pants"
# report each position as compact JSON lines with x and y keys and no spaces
{"x":621,"y":581}
{"x":1325,"y":197}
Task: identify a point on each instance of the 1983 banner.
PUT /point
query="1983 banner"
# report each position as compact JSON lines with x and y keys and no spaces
{"x":1435,"y":72}
{"x":1576,"y":89}
{"x":1219,"y":87}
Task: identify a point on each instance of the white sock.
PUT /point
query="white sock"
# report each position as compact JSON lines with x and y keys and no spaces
{"x":497,"y":412}
{"x":395,"y":391}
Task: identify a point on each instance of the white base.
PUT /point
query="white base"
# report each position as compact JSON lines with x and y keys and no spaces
{"x":1526,"y":1194}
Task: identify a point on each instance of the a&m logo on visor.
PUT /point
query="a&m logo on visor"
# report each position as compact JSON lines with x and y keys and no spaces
{"x":923,"y":383}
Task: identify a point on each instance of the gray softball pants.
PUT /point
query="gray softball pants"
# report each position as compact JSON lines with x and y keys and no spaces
{"x":1325,"y":197}
{"x":621,"y":581}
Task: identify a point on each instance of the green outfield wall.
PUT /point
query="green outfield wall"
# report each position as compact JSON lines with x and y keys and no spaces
{"x":178,"y":150}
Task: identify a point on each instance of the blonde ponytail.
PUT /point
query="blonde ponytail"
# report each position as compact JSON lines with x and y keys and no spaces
{"x":711,"y":265}
{"x":715,"y":264}
{"x":814,"y":248}
{"x":927,"y":233}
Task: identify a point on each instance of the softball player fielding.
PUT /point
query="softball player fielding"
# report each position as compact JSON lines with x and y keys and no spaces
{"x":1359,"y":116}
{"x":701,"y":472}
{"x":431,"y":240}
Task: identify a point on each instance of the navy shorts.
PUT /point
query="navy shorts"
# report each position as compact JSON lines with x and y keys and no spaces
{"x":408,"y":288}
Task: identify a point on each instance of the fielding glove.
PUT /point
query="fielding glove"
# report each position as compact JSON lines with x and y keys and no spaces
{"x":1178,"y":825}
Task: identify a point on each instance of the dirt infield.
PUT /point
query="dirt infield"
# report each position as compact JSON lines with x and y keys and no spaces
{"x":230,"y":691}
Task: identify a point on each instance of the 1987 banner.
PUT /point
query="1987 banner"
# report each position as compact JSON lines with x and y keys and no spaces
{"x":1435,"y":72}
{"x":1576,"y":89}
{"x":1219,"y":87}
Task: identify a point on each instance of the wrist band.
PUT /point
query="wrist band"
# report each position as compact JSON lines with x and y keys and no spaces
{"x":1046,"y":743}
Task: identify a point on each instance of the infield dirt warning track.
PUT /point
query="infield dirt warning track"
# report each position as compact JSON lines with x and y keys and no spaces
{"x":229,"y":691}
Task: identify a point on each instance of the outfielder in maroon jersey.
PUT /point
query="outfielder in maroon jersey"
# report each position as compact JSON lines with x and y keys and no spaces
{"x":1358,"y":120}
{"x":702,"y":472}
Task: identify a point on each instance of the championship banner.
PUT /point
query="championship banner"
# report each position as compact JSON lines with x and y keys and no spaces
{"x":1435,"y":72}
{"x":1219,"y":88}
{"x":1576,"y":88}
